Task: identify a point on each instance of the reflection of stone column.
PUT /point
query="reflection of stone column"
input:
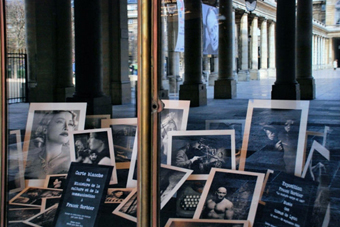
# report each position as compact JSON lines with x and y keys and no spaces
{"x":164,"y":82}
{"x":254,"y":51}
{"x":225,"y":85}
{"x":285,"y":86}
{"x":173,"y":56}
{"x":193,"y":89}
{"x":89,"y":81}
{"x":272,"y":66}
{"x":304,"y":52}
{"x":243,"y":74}
{"x":264,"y":50}
{"x":214,"y":70}
{"x":49,"y":50}
{"x":206,"y":68}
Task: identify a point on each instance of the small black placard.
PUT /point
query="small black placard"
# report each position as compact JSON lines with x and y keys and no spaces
{"x":289,"y":201}
{"x":83,"y":193}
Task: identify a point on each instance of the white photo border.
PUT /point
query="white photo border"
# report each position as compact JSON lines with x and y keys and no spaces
{"x":118,"y":208}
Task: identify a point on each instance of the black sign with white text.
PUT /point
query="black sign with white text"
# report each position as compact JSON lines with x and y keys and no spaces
{"x":84,"y":192}
{"x":289,"y":201}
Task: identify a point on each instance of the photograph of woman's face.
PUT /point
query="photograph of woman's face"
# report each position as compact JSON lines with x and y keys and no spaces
{"x":59,"y":127}
{"x":94,"y":143}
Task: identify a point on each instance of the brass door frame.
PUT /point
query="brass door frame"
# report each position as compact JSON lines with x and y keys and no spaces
{"x":148,"y":108}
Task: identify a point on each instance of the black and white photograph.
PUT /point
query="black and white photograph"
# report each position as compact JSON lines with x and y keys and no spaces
{"x":45,"y":218}
{"x":31,"y":196}
{"x":188,"y":195}
{"x":94,"y":121}
{"x":230,"y":195}
{"x":21,"y":214}
{"x":274,"y":136}
{"x":46,"y":144}
{"x":16,"y":180}
{"x":123,"y":133}
{"x":210,"y":29}
{"x":234,"y":124}
{"x":56,"y":181}
{"x":117,"y":195}
{"x":49,"y":202}
{"x":128,"y":208}
{"x":174,"y":117}
{"x":179,"y":222}
{"x":171,"y":179}
{"x":201,"y":150}
{"x":318,"y":169}
{"x":94,"y":146}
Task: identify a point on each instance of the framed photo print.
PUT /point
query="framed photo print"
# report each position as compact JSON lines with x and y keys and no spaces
{"x":132,"y":176}
{"x":128,"y":208}
{"x":235,"y":124}
{"x":274,"y":136}
{"x":117,"y":195}
{"x":49,"y":202}
{"x":235,"y":193}
{"x":94,"y":146}
{"x":123,"y":133}
{"x":16,"y":180}
{"x":318,"y":168}
{"x":44,"y":218}
{"x":174,"y":117}
{"x":202,"y":150}
{"x":94,"y":121}
{"x":55,"y":181}
{"x":46,"y":145}
{"x":179,"y":222}
{"x":31,"y":196}
{"x":188,"y":195}
{"x":21,"y":214}
{"x":171,"y":179}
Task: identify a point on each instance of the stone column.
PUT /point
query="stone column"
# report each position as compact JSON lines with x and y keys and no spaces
{"x":49,"y":47}
{"x":304,"y":51}
{"x":225,"y":85}
{"x":234,"y":47}
{"x":118,"y":84}
{"x":319,"y":52}
{"x":193,"y":89}
{"x":88,"y":55}
{"x":285,"y":86}
{"x":264,"y":50}
{"x":243,"y":74}
{"x":272,"y":66}
{"x":173,"y":57}
{"x":254,"y":50}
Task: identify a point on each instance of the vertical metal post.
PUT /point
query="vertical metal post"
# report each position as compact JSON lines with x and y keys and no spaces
{"x":148,"y":106}
{"x":2,"y":113}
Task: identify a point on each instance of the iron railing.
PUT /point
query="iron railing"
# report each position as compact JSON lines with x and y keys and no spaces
{"x":16,"y":77}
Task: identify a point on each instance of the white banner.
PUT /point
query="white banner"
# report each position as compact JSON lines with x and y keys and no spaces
{"x":181,"y":21}
{"x":210,"y":29}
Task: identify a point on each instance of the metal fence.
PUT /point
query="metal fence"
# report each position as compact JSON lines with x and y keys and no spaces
{"x":16,"y":77}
